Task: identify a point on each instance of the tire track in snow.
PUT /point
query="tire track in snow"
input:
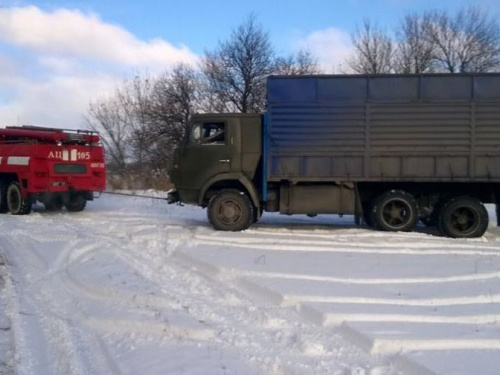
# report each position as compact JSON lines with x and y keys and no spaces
{"x":6,"y":326}
{"x":394,"y":246}
{"x":189,"y":283}
{"x":80,"y":249}
{"x":371,"y":281}
{"x":336,"y":247}
{"x":48,"y":339}
{"x":484,"y":299}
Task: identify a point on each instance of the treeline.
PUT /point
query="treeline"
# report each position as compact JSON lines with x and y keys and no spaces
{"x":143,"y":121}
{"x":429,"y":42}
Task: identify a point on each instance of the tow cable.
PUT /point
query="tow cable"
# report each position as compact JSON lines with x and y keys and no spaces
{"x":133,"y":195}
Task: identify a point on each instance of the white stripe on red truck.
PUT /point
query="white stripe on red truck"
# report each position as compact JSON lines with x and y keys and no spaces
{"x":18,"y":160}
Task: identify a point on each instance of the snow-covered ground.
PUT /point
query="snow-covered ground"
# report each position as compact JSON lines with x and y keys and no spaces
{"x":133,"y":286}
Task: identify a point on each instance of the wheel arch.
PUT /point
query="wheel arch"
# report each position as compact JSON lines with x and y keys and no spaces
{"x":7,"y":178}
{"x":229,"y":181}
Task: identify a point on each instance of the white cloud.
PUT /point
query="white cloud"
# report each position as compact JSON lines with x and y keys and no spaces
{"x":331,"y":46}
{"x":70,"y":32}
{"x":59,"y":100}
{"x":54,"y":63}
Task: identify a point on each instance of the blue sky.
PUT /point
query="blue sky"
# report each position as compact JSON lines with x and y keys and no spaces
{"x":56,"y":56}
{"x":200,"y":24}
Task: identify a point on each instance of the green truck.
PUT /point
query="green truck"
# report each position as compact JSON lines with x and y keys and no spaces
{"x":392,"y":150}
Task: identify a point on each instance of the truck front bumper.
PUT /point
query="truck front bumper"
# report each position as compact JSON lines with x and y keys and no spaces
{"x":173,"y":196}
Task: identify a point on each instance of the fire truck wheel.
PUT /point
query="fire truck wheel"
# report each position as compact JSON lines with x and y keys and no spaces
{"x":54,"y":204}
{"x":76,"y":203}
{"x":3,"y":199}
{"x":15,"y":202}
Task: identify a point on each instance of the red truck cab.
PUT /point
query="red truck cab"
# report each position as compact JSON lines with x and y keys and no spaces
{"x":57,"y":167}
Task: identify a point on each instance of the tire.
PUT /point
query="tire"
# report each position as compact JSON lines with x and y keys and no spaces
{"x":3,"y":199}
{"x":76,"y":203}
{"x":394,"y":211}
{"x":15,"y":202}
{"x":463,"y":217}
{"x":54,"y":204}
{"x":230,"y":210}
{"x":257,"y":214}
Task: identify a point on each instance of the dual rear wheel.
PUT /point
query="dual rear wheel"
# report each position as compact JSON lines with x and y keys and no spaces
{"x":73,"y":203}
{"x":463,"y":217}
{"x":11,"y":200}
{"x":459,"y":217}
{"x":394,"y":211}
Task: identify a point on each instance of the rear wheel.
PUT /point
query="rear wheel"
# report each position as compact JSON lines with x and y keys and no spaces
{"x":463,"y":217}
{"x":54,"y":204}
{"x":76,"y":203}
{"x":15,"y":202}
{"x":394,"y":211}
{"x":230,"y":210}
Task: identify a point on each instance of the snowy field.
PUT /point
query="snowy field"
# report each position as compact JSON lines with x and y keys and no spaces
{"x":134,"y":286}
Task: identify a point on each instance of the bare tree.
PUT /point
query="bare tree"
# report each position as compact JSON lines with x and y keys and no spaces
{"x":467,"y":42}
{"x":373,"y":50}
{"x":302,"y":62}
{"x":107,"y":118}
{"x":415,"y":50}
{"x":236,"y":71}
{"x":176,"y":96}
{"x":134,"y":97}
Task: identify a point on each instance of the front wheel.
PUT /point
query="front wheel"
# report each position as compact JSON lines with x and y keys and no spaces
{"x":257,"y":214}
{"x":463,"y":217}
{"x":394,"y":211}
{"x":230,"y":210}
{"x":15,"y":202}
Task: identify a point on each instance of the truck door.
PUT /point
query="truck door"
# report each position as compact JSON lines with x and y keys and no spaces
{"x":207,"y":153}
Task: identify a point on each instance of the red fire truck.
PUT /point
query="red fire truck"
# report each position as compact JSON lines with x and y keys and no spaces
{"x":57,"y":167}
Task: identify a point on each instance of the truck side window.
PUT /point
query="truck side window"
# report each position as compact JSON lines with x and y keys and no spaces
{"x":195,"y":134}
{"x":213,"y":133}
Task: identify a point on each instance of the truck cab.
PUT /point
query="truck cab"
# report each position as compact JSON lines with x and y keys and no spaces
{"x":218,"y":150}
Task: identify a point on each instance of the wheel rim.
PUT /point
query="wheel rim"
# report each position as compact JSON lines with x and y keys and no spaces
{"x":463,"y":219}
{"x":230,"y":212}
{"x":396,"y":213}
